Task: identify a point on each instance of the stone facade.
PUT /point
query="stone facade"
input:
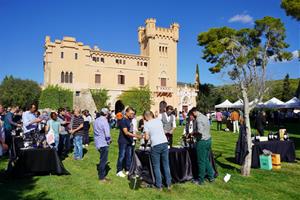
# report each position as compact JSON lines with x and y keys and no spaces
{"x":73,"y":65}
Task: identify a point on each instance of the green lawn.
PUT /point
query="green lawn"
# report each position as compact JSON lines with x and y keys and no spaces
{"x":83,"y":183}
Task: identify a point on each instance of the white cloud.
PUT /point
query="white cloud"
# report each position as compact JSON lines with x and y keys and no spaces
{"x":242,"y":18}
{"x":296,"y":54}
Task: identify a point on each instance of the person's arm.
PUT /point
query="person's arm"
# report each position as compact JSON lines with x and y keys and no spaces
{"x":173,"y":124}
{"x":146,"y":132}
{"x":77,"y":129}
{"x":47,"y":127}
{"x":127,"y":133}
{"x":27,"y":121}
{"x":10,"y":120}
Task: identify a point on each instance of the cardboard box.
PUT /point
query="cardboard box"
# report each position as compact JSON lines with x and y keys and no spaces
{"x":265,"y":162}
{"x":276,"y":161}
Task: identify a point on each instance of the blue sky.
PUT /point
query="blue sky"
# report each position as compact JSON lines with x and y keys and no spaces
{"x":112,"y":25}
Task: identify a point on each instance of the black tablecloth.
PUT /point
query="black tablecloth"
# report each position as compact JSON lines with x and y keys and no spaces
{"x":180,"y":166}
{"x":183,"y":165}
{"x":36,"y":161}
{"x":286,"y":149}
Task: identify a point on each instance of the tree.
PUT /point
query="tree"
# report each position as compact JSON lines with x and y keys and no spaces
{"x":100,"y":97}
{"x":54,"y":97}
{"x":286,"y":89}
{"x":244,"y":54}
{"x":139,"y":98}
{"x":292,"y":8}
{"x":297,"y":93}
{"x":18,"y":92}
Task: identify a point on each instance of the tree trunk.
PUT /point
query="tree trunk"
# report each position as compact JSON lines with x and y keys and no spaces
{"x":246,"y":166}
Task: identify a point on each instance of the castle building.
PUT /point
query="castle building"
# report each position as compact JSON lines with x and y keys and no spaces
{"x":78,"y":67}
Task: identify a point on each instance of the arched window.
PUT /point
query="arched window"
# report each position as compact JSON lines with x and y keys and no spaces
{"x":62,"y":77}
{"x":67,"y":77}
{"x":71,"y":78}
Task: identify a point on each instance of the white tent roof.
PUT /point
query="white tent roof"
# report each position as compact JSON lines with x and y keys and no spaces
{"x":225,"y":104}
{"x":292,"y":103}
{"x":273,"y":103}
{"x":238,"y":104}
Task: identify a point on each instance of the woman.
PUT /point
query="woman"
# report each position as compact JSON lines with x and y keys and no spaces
{"x":86,"y":127}
{"x":54,"y":124}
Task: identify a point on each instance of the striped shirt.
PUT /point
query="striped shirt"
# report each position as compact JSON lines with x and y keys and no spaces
{"x":76,"y":121}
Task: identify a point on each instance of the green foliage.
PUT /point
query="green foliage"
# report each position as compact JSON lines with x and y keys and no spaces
{"x":139,"y":98}
{"x":286,"y":89}
{"x":297,"y":93}
{"x":100,"y":97}
{"x":55,"y":97}
{"x":18,"y":92}
{"x":292,"y":8}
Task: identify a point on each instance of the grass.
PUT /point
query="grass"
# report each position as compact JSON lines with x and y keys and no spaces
{"x":83,"y":183}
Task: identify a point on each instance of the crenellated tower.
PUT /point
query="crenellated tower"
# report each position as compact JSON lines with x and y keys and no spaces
{"x":160,"y":45}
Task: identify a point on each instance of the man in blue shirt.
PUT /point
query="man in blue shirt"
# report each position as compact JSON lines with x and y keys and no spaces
{"x":102,"y":140}
{"x":30,"y":120}
{"x":125,"y":142}
{"x":9,"y":125}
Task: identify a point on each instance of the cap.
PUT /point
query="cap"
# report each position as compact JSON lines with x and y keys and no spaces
{"x":104,"y":111}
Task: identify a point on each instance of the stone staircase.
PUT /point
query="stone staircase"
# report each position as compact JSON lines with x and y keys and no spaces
{"x":84,"y":101}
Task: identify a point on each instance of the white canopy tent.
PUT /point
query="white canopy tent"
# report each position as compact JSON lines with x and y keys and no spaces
{"x":292,"y":103}
{"x":273,"y":103}
{"x":225,"y":104}
{"x":238,"y":104}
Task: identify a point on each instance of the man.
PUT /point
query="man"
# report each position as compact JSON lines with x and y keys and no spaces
{"x":125,"y":142}
{"x":169,"y":123}
{"x":9,"y":125}
{"x":235,"y":121}
{"x":77,"y":132}
{"x":203,"y":146}
{"x":260,"y":122}
{"x":154,"y":131}
{"x":64,"y":137}
{"x":30,"y":121}
{"x":102,"y":141}
{"x":219,"y":118}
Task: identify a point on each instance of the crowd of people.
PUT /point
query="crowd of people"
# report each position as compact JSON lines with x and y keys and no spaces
{"x":72,"y":128}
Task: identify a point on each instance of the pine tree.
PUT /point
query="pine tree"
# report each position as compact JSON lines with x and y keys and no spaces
{"x":286,"y":89}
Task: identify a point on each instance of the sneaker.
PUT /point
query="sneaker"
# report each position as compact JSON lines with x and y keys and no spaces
{"x":127,"y":172}
{"x":211,"y":180}
{"x":121,"y":174}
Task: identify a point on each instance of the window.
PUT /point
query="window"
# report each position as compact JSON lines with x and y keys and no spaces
{"x":62,"y":77}
{"x":159,"y":48}
{"x":142,"y":81}
{"x":61,"y":54}
{"x":166,"y":49}
{"x":145,"y":64}
{"x":77,"y":93}
{"x":98,"y":78}
{"x":94,"y":59}
{"x":121,"y":79}
{"x":102,"y":60}
{"x":163,"y":82}
{"x":67,"y":77}
{"x":124,"y":62}
{"x":71,"y":78}
{"x":117,"y":61}
{"x":138,"y":63}
{"x":97,"y":59}
{"x":76,"y":56}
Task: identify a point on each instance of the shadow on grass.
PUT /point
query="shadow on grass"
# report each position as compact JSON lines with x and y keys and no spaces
{"x":227,"y":166}
{"x":13,"y":188}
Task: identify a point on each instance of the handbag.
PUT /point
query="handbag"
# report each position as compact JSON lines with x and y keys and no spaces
{"x":50,"y":136}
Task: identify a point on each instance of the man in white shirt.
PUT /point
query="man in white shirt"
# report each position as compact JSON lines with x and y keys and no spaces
{"x":169,"y":123}
{"x":154,"y":132}
{"x":30,"y":121}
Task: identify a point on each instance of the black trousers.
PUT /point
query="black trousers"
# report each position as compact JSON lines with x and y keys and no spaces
{"x":260,"y":131}
{"x":101,"y":167}
{"x":170,"y":139}
{"x":219,"y":125}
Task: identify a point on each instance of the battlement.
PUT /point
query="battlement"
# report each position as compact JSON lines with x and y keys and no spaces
{"x":151,"y":31}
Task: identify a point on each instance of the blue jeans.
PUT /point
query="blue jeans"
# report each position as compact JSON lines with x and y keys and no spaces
{"x":160,"y":153}
{"x":103,"y":160}
{"x":125,"y":153}
{"x":77,"y":140}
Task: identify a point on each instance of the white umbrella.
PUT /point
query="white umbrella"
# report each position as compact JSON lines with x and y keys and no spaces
{"x":225,"y":104}
{"x":273,"y":103}
{"x":292,"y":103}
